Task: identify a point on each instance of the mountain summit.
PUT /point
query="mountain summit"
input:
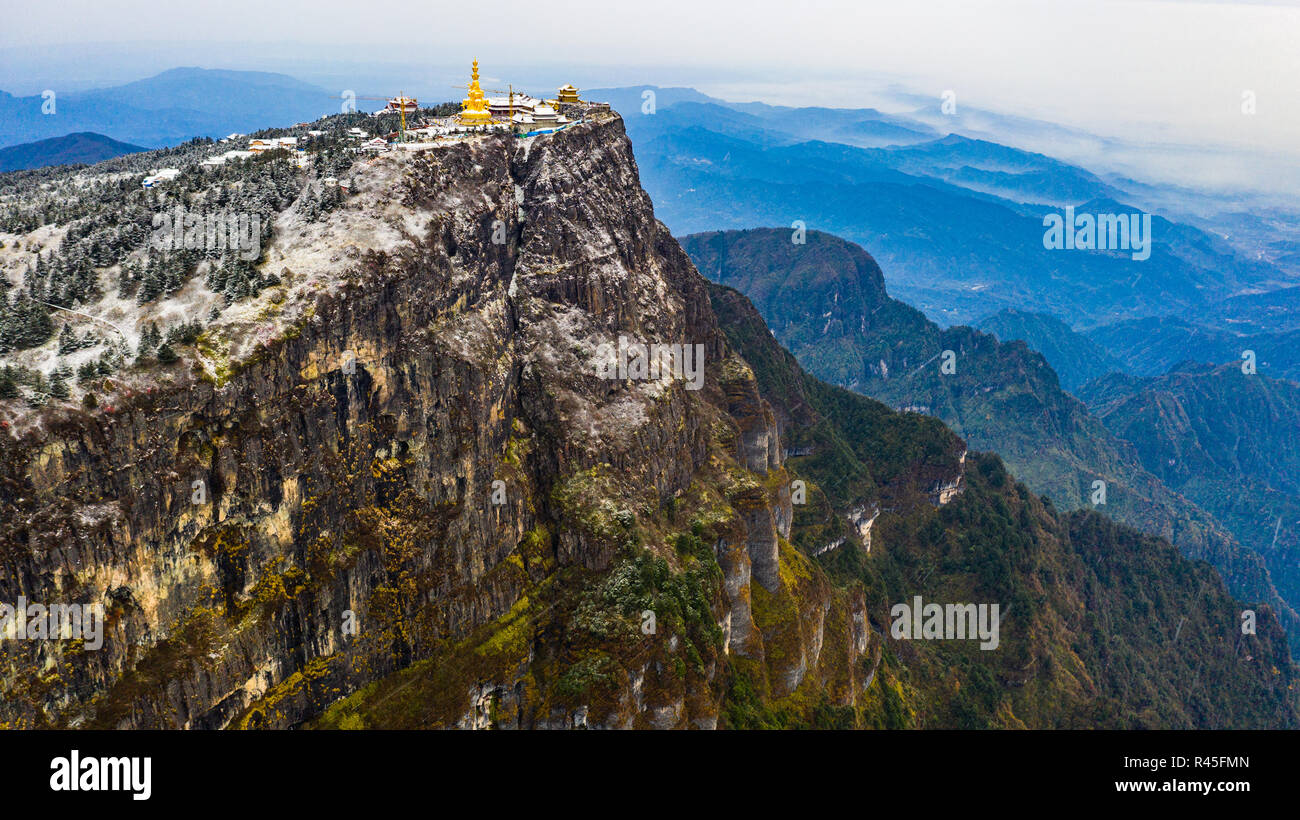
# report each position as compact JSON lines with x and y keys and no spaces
{"x":378,"y":476}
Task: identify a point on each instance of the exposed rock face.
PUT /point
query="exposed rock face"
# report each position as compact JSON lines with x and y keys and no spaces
{"x":862,"y":519}
{"x":945,"y":489}
{"x":418,"y":472}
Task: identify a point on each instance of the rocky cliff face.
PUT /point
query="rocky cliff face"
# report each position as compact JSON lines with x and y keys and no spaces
{"x":398,"y":488}
{"x":396,"y":479}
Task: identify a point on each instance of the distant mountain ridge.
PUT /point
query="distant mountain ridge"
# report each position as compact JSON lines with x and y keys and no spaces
{"x":1154,"y":345}
{"x":1157,"y":345}
{"x":825,"y":300}
{"x":169,"y":108}
{"x":1076,"y":359}
{"x":957,"y":222}
{"x":82,"y":147}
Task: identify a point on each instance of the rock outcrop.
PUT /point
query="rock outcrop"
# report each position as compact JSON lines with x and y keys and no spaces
{"x":402,"y":466}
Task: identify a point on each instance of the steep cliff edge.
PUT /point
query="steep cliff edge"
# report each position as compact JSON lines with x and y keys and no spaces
{"x":327,"y":464}
{"x":393,"y":489}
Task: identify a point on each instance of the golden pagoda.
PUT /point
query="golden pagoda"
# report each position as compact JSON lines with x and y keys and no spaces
{"x":568,"y":94}
{"x":474,"y":108}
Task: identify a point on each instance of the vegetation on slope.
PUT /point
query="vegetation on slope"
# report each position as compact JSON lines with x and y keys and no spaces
{"x":1102,"y":626}
{"x":825,"y":300}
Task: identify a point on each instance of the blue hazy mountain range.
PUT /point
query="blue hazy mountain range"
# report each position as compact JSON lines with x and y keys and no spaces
{"x":80,"y":148}
{"x":1157,"y":345}
{"x":1076,"y":359}
{"x":169,"y":108}
{"x":957,"y":222}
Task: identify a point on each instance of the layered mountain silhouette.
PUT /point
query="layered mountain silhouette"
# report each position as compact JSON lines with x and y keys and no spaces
{"x":826,"y":301}
{"x":956,"y":221}
{"x":168,"y":108}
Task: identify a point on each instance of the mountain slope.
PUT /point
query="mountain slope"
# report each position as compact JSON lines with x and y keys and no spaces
{"x":1076,"y":359}
{"x":826,"y":300}
{"x":1087,"y":644}
{"x":468,"y":493}
{"x":82,"y":148}
{"x":1228,"y":441}
{"x":385,"y":482}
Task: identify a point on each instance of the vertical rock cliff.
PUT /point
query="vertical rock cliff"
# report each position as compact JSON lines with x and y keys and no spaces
{"x":397,"y":475}
{"x":399,"y":488}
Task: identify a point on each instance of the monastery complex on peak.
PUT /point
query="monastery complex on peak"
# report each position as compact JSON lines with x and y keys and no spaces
{"x":520,"y":112}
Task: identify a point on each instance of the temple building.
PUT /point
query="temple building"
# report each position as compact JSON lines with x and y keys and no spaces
{"x":503,"y":108}
{"x":401,"y":103}
{"x":544,"y":116}
{"x":474,"y":108}
{"x":522,"y":112}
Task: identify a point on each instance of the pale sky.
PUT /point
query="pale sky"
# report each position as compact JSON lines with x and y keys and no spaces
{"x":1166,"y":70}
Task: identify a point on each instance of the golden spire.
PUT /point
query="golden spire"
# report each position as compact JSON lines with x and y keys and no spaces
{"x":474,"y":108}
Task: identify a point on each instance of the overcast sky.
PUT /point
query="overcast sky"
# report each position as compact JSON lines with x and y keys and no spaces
{"x":1171,"y":70}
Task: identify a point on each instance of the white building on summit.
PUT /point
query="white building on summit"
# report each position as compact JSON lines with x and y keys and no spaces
{"x":155,"y":178}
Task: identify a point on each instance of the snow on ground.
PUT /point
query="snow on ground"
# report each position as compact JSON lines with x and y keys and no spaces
{"x":311,"y":258}
{"x":192,"y":302}
{"x":313,"y":253}
{"x":13,"y":260}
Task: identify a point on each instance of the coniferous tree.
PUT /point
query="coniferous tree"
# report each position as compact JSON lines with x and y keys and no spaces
{"x":186,"y":333}
{"x":59,"y":386}
{"x":126,"y":280}
{"x":311,"y":205}
{"x":148,"y":341}
{"x":6,"y":324}
{"x":68,"y":340}
{"x":151,"y":282}
{"x":8,"y":384}
{"x":31,"y":324}
{"x":173,"y":271}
